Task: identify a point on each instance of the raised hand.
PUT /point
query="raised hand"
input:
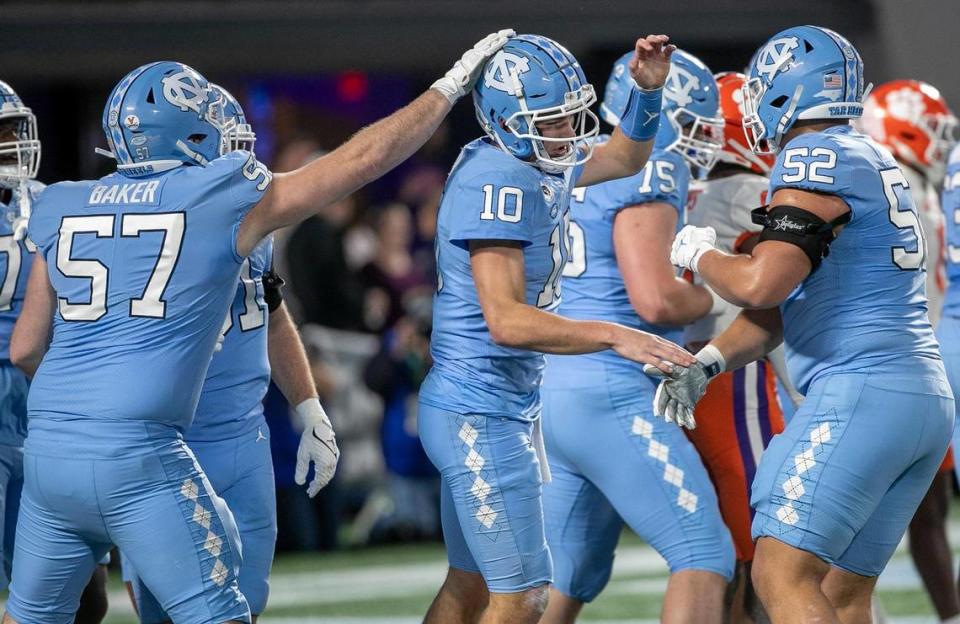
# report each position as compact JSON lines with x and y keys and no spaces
{"x":650,"y":64}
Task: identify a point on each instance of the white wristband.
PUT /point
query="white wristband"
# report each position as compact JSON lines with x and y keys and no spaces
{"x":712,"y":360}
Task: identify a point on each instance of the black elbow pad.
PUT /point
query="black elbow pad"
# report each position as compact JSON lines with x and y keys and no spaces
{"x":798,"y":227}
{"x":272,"y":293}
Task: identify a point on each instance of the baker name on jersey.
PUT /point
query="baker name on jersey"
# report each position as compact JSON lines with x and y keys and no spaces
{"x":129,"y":193}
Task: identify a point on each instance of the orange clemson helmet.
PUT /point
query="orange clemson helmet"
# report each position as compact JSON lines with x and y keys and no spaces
{"x":736,"y":150}
{"x":913,"y":121}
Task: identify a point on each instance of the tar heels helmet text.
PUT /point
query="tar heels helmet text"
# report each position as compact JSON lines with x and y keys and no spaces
{"x":160,"y":116}
{"x":534,"y":79}
{"x":802,"y":73}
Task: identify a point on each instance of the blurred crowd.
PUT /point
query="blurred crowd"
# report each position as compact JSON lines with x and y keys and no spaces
{"x":360,"y":278}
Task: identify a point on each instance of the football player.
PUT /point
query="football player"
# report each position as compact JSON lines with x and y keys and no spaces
{"x":19,"y":161}
{"x":913,"y":121}
{"x":740,"y":411}
{"x":837,"y":275}
{"x":610,"y":459}
{"x":140,"y":268}
{"x":229,"y":435}
{"x":501,"y":246}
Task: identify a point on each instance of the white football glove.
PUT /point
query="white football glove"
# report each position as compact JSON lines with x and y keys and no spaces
{"x":678,"y":393}
{"x":318,"y":444}
{"x":459,"y":80}
{"x":691,"y":243}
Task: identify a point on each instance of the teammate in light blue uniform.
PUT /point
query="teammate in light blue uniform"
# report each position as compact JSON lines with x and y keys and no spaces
{"x":842,"y":255}
{"x":501,"y":246}
{"x":144,"y":264}
{"x":19,"y":161}
{"x":948,"y":330}
{"x":229,"y":435}
{"x":611,"y":460}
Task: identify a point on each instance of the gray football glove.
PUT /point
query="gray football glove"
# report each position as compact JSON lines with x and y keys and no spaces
{"x":678,"y":393}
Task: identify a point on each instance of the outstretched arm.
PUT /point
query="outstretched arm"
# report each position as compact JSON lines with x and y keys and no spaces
{"x":498,"y":272}
{"x":752,"y":335}
{"x":372,"y":152}
{"x":31,"y":334}
{"x":290,"y":370}
{"x":763,"y":278}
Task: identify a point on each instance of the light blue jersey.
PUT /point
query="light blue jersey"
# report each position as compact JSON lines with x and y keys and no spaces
{"x":491,"y":195}
{"x":845,"y":477}
{"x":597,"y":420}
{"x":231,"y":401}
{"x":864,"y":308}
{"x":593,"y":285}
{"x":950,"y":202}
{"x":144,"y":270}
{"x":16,"y":258}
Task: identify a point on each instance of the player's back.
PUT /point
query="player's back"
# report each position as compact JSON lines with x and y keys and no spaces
{"x":144,"y":269}
{"x":724,"y":204}
{"x":491,"y":195}
{"x":593,"y":287}
{"x":231,"y":401}
{"x":864,"y":308}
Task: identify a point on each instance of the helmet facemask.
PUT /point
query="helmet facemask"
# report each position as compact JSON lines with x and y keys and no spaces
{"x":237,"y":136}
{"x":753,"y":125}
{"x":19,"y":146}
{"x":699,"y":139}
{"x":523,"y":125}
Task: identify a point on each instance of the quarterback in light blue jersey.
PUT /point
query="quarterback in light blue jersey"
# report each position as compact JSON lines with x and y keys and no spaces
{"x":229,"y":435}
{"x":611,"y":460}
{"x":501,"y":247}
{"x":138,"y":270}
{"x":838,"y":277}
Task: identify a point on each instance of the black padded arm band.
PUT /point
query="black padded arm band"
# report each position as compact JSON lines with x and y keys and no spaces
{"x":798,"y":227}
{"x":272,"y":293}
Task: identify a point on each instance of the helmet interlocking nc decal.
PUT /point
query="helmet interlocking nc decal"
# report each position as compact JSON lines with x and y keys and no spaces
{"x":680,"y":84}
{"x":184,"y":91}
{"x":502,"y":70}
{"x":775,"y":56}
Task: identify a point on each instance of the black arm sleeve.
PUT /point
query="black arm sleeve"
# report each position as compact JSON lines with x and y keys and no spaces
{"x":798,"y":227}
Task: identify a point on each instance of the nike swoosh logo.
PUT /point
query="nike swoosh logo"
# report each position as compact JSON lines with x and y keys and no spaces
{"x":324,"y":442}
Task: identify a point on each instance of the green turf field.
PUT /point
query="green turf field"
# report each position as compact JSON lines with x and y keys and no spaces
{"x":395,"y":585}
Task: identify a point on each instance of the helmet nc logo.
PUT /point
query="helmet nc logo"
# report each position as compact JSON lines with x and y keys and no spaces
{"x":680,"y":83}
{"x":774,"y":56}
{"x":183,"y":90}
{"x":499,"y":71}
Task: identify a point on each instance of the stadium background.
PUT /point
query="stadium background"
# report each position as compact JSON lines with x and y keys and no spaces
{"x":311,"y":73}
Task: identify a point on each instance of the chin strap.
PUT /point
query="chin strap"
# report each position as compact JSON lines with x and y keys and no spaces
{"x":192,"y":154}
